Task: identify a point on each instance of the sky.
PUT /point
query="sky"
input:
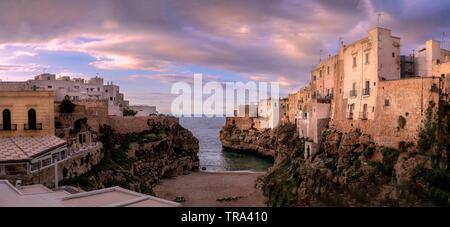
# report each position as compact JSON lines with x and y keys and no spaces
{"x":145,"y":46}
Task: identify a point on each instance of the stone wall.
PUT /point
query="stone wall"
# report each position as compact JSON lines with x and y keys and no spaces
{"x":123,"y":125}
{"x":408,"y":99}
{"x":243,"y":123}
{"x":94,"y":107}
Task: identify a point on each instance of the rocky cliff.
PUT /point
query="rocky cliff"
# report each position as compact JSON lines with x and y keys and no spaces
{"x":267,"y":143}
{"x":351,"y":170}
{"x":139,"y":151}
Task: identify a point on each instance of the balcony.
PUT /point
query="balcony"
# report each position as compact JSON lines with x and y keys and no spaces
{"x":353,"y":93}
{"x":12,"y":127}
{"x":349,"y":115}
{"x":363,"y":115}
{"x":366,"y":91}
{"x":38,"y":126}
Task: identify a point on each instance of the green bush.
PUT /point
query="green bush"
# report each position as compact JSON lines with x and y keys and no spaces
{"x":401,"y":122}
{"x":427,"y":134}
{"x":66,"y":106}
{"x":369,"y":151}
{"x":129,"y":112}
{"x":390,"y":157}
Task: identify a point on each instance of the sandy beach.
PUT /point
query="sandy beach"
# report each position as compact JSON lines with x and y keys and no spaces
{"x":206,"y":188}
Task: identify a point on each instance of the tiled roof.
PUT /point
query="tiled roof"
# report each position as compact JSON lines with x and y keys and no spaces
{"x":24,"y":147}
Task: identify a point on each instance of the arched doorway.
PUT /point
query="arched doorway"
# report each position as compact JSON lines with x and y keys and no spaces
{"x":32,"y":119}
{"x":6,"y":116}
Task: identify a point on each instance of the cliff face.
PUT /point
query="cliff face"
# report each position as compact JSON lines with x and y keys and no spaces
{"x":138,"y":152}
{"x":351,"y":170}
{"x":266,"y":143}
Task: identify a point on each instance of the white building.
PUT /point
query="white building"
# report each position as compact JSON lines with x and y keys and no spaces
{"x":429,"y":59}
{"x":366,"y":62}
{"x":272,"y":112}
{"x":75,"y":89}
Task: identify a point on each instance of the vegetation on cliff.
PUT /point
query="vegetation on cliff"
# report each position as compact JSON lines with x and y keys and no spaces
{"x":351,"y":170}
{"x":138,"y":160}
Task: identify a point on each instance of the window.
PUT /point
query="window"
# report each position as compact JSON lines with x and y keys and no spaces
{"x":354,"y":61}
{"x":387,"y":101}
{"x":50,"y":86}
{"x":46,"y":162}
{"x":328,"y":70}
{"x":393,"y":54}
{"x":320,"y":73}
{"x":366,"y":90}
{"x":31,"y":119}
{"x":35,"y":166}
{"x":110,"y":98}
{"x":98,"y":89}
{"x":363,"y":115}
{"x":314,"y":77}
{"x":353,"y":91}
{"x":367,"y":58}
{"x":6,"y":119}
{"x":106,"y":90}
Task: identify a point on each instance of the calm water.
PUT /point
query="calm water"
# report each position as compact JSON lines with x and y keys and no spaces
{"x":211,"y":154}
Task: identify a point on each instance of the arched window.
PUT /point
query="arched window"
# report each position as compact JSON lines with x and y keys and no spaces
{"x":31,"y":119}
{"x":6,"y":119}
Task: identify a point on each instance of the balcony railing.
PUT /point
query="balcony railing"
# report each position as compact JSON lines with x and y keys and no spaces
{"x":38,"y":126}
{"x":363,"y":115}
{"x":366,"y":91}
{"x":349,"y":115}
{"x":353,"y":93}
{"x":13,"y":127}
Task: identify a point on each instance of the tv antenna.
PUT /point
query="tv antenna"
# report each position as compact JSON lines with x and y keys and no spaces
{"x":444,"y":36}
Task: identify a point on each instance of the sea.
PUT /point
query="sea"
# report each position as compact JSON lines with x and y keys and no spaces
{"x":212,"y":156}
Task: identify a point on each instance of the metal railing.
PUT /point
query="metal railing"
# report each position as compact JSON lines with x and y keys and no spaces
{"x":363,"y":115}
{"x":37,"y":126}
{"x":349,"y":115}
{"x":353,"y":93}
{"x":12,"y":127}
{"x":366,"y":91}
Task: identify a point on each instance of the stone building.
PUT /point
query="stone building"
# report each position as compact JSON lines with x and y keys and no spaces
{"x":323,"y":77}
{"x":29,"y":150}
{"x":369,"y":87}
{"x":272,"y":113}
{"x":430,"y":58}
{"x":27,"y":134}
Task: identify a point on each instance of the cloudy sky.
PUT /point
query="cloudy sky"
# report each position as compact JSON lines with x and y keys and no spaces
{"x":145,"y":46}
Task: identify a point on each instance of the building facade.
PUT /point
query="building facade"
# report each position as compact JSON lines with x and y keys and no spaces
{"x":27,"y":134}
{"x":75,"y":89}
